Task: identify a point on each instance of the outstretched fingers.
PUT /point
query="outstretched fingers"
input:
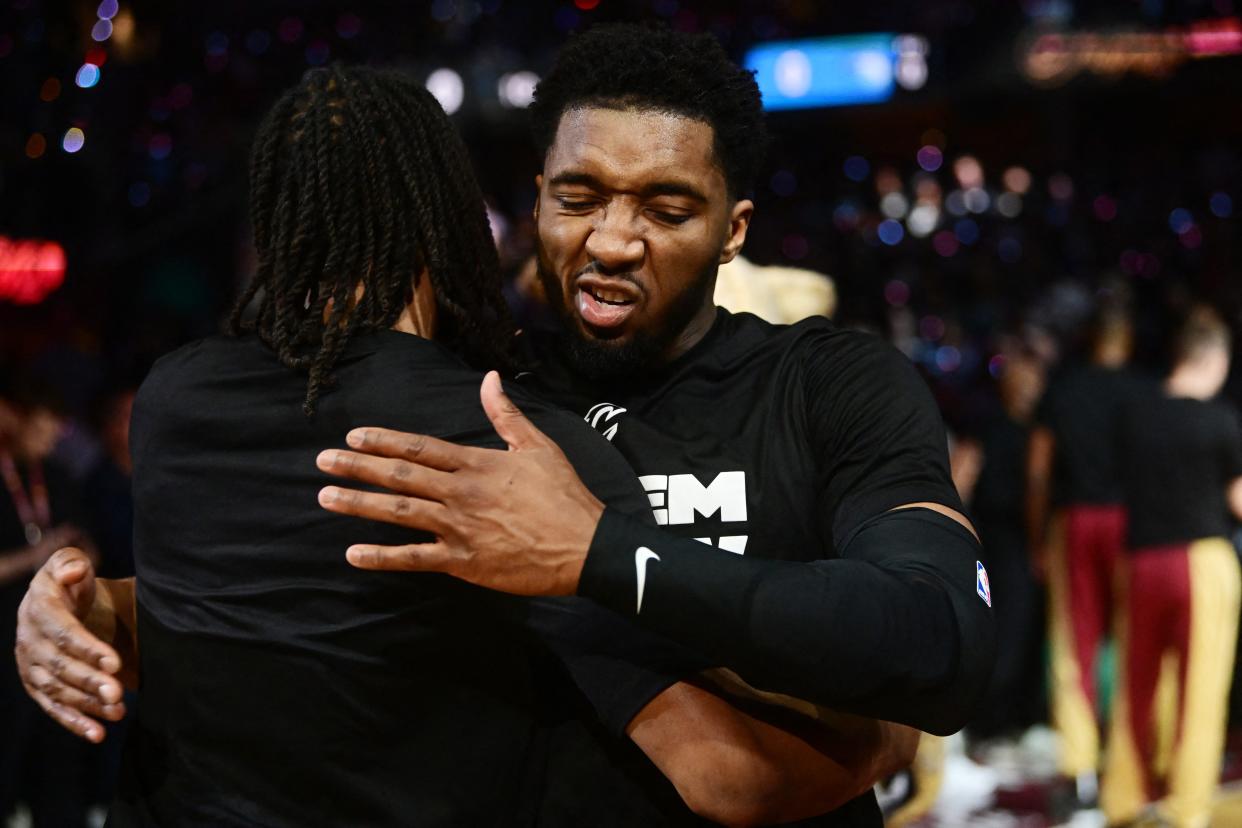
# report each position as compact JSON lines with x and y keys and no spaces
{"x":414,"y":448}
{"x":400,"y":510}
{"x":415,"y":557}
{"x":400,"y":476}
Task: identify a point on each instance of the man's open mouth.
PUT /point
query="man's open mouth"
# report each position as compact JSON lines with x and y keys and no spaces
{"x":605,"y":304}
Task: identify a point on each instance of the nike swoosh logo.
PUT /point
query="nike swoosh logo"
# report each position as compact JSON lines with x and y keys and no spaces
{"x":642,"y":556}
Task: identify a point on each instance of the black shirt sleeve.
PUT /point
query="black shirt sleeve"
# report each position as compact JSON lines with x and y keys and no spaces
{"x":618,"y":666}
{"x":876,"y":431}
{"x":896,"y":629}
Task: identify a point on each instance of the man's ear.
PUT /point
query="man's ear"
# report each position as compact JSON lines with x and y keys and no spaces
{"x":739,"y":223}
{"x":538,"y":193}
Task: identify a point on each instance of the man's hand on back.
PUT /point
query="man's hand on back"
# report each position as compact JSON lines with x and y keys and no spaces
{"x":65,"y":667}
{"x":519,"y":520}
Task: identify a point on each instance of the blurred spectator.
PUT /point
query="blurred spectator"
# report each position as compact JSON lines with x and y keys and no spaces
{"x":781,"y":295}
{"x":106,"y":488}
{"x":996,"y":498}
{"x":1076,"y":525}
{"x":41,"y":765}
{"x":107,"y":498}
{"x":1181,"y":472}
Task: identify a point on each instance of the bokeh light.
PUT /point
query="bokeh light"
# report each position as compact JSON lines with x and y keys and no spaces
{"x":1017,"y":180}
{"x":1180,"y":220}
{"x":446,"y":86}
{"x":897,"y":293}
{"x":36,"y":145}
{"x":1221,"y":205}
{"x":88,"y":75}
{"x":74,"y":140}
{"x":969,"y":172}
{"x":517,"y":89}
{"x":101,"y":31}
{"x":930,"y":158}
{"x":890,"y":232}
{"x":856,"y":168}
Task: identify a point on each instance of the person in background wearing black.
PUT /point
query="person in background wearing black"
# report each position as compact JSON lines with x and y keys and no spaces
{"x":107,"y":493}
{"x":811,"y":543}
{"x":1181,"y":471}
{"x":40,"y":765}
{"x":1076,"y":524}
{"x":278,"y":684}
{"x":108,"y":507}
{"x":996,"y":495}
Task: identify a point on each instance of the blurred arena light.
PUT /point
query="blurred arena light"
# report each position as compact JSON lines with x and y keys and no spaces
{"x":837,"y":71}
{"x":1051,"y":58}
{"x":517,"y":89}
{"x":73,"y":141}
{"x":911,"y":69}
{"x":102,"y":30}
{"x":446,"y":86}
{"x":30,"y":270}
{"x":88,"y":75}
{"x":969,"y":171}
{"x":1017,"y":179}
{"x":923,"y":220}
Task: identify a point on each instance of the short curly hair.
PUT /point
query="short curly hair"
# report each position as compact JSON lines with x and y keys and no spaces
{"x":631,"y":67}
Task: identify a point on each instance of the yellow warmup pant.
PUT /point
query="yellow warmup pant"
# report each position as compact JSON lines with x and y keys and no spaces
{"x":1176,"y":638}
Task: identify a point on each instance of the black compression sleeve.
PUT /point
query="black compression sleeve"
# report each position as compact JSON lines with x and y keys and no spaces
{"x":893,"y":629}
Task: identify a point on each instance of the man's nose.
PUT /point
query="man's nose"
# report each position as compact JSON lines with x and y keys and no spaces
{"x":615,"y":243}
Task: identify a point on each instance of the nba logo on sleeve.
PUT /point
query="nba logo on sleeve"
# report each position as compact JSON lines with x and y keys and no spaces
{"x":981,"y":583}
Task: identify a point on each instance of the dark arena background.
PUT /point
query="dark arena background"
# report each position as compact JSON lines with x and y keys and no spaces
{"x":977,"y":180}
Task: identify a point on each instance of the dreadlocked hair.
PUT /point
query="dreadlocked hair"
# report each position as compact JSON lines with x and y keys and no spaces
{"x":357,"y":178}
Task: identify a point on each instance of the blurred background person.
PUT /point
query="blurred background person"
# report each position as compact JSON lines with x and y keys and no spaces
{"x":1181,"y":473}
{"x":1076,"y":522}
{"x":781,"y":295}
{"x":996,"y":499}
{"x":42,"y":766}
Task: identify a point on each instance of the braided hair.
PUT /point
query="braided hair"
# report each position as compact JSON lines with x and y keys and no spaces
{"x":357,"y":177}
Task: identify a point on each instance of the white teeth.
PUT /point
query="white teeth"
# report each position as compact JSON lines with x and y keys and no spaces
{"x":612,"y":297}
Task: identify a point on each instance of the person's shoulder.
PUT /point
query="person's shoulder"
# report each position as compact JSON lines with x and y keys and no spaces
{"x":188,"y":361}
{"x":816,"y":338}
{"x":1224,"y":412}
{"x":850,"y":357}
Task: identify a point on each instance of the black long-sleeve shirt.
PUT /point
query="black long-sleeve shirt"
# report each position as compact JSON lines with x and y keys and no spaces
{"x":782,"y":451}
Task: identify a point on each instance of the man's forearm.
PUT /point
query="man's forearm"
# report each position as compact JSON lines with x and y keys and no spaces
{"x":896,"y":631}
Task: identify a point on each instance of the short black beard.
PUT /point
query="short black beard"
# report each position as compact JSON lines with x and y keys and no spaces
{"x":596,"y":359}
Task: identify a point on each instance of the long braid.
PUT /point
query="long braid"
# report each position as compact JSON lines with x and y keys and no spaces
{"x":358,"y":180}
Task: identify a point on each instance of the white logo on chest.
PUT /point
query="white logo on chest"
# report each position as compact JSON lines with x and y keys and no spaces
{"x":601,"y":415}
{"x":676,"y":499}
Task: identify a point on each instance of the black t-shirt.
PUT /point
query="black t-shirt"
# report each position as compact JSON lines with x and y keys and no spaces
{"x":999,"y":491}
{"x":1081,"y":408}
{"x":280,"y":686}
{"x":1179,"y":456}
{"x":765,"y":441}
{"x":109,"y":507}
